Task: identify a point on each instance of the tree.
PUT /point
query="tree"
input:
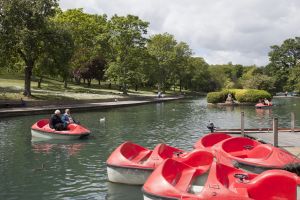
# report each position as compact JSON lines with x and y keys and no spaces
{"x":162,"y":48}
{"x":90,"y":33}
{"x":93,"y":69}
{"x":283,"y":59}
{"x":58,"y":50}
{"x":198,"y":77}
{"x":23,"y":25}
{"x":127,"y":40}
{"x":183,"y":53}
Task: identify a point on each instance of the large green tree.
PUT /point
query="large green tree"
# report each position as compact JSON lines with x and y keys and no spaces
{"x":283,"y":59}
{"x":127,"y":39}
{"x":23,"y":28}
{"x":90,"y":33}
{"x":183,"y":53}
{"x":162,"y":48}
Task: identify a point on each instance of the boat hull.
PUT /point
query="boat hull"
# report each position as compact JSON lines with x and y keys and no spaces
{"x":49,"y":135}
{"x":131,"y":176}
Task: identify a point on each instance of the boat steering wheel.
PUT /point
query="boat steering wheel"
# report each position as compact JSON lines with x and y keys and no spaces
{"x":241,"y":177}
{"x":178,"y":153}
{"x":248,"y":147}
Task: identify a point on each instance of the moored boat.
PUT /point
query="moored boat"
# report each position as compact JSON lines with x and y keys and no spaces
{"x":131,"y":163}
{"x":255,"y":130}
{"x":209,"y":140}
{"x":261,"y":105}
{"x":252,"y":155}
{"x":41,"y":129}
{"x":174,"y":180}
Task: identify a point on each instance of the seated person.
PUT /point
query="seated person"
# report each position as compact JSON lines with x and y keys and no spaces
{"x":56,"y":122}
{"x":266,"y":102}
{"x":67,"y":119}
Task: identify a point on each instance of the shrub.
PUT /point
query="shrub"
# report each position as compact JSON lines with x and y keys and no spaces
{"x":216,"y":97}
{"x":241,"y":95}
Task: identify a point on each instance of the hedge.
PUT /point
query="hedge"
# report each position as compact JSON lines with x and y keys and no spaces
{"x":239,"y":95}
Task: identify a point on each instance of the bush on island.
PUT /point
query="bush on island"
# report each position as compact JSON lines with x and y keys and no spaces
{"x":240,"y":95}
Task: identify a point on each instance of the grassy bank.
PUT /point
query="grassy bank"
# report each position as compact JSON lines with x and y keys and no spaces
{"x":11,"y":88}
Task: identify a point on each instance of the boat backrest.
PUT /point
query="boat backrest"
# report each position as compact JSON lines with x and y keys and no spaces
{"x":273,"y":184}
{"x":260,"y":151}
{"x":172,"y":171}
{"x":130,"y":150}
{"x":41,"y":123}
{"x":213,"y":138}
{"x":198,"y":158}
{"x":165,"y":151}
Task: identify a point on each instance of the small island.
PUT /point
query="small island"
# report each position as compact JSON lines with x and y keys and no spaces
{"x":237,"y":97}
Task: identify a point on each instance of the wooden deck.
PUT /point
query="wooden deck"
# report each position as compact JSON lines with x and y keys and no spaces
{"x":287,"y":140}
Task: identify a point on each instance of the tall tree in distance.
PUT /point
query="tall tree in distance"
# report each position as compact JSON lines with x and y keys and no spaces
{"x":23,"y":25}
{"x":162,"y":48}
{"x":283,"y":59}
{"x":127,"y":39}
{"x":90,"y":34}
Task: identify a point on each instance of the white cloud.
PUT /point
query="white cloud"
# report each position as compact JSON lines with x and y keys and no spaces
{"x":240,"y":31}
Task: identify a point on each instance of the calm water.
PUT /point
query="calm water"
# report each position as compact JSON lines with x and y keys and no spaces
{"x":77,"y":170}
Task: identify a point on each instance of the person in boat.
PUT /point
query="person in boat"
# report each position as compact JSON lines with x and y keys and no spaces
{"x":67,"y":118}
{"x":56,"y":122}
{"x":159,"y":94}
{"x":266,"y":102}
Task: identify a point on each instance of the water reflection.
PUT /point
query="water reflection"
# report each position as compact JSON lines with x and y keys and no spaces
{"x":49,"y":146}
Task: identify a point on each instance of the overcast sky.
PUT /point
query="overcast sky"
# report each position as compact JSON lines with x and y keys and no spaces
{"x":220,"y":31}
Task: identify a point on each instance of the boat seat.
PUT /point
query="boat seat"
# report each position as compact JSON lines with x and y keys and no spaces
{"x":185,"y":179}
{"x":141,"y":156}
{"x":240,"y":154}
{"x":260,"y":151}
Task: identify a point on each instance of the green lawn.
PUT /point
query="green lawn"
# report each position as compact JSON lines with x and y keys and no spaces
{"x":11,"y":88}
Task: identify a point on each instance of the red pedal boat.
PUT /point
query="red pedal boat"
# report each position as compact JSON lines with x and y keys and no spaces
{"x":252,"y":155}
{"x":261,"y":105}
{"x":245,"y":153}
{"x":174,"y":180}
{"x":209,"y":140}
{"x":131,"y":163}
{"x":41,"y":129}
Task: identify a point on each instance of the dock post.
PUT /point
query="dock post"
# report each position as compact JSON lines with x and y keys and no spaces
{"x":242,"y":124}
{"x":292,"y":122}
{"x":275,"y":131}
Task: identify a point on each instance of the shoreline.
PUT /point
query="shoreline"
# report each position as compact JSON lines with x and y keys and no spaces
{"x":83,"y":106}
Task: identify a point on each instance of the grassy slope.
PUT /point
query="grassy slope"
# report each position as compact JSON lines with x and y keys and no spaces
{"x":11,"y":87}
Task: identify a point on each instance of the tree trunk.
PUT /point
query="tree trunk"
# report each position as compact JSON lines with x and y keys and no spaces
{"x":89,"y":82}
{"x":124,"y":88}
{"x":65,"y":83}
{"x":180,"y":86}
{"x":99,"y":82}
{"x":136,"y":87}
{"x":40,"y":82}
{"x":27,"y":82}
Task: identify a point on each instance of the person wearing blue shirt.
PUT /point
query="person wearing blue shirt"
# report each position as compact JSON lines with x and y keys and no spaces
{"x":67,"y":119}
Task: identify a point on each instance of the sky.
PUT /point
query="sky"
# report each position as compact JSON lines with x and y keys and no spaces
{"x":220,"y":31}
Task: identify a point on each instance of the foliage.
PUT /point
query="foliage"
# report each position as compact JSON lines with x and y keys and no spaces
{"x":24,"y":24}
{"x":93,"y":69}
{"x":241,"y":95}
{"x":89,"y":32}
{"x":216,"y":97}
{"x":283,"y":59}
{"x":127,"y":42}
{"x":162,"y":48}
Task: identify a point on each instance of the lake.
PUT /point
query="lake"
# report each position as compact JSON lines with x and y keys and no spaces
{"x":77,"y":170}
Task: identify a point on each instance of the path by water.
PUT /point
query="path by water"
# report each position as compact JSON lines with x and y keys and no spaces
{"x":77,"y":170}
